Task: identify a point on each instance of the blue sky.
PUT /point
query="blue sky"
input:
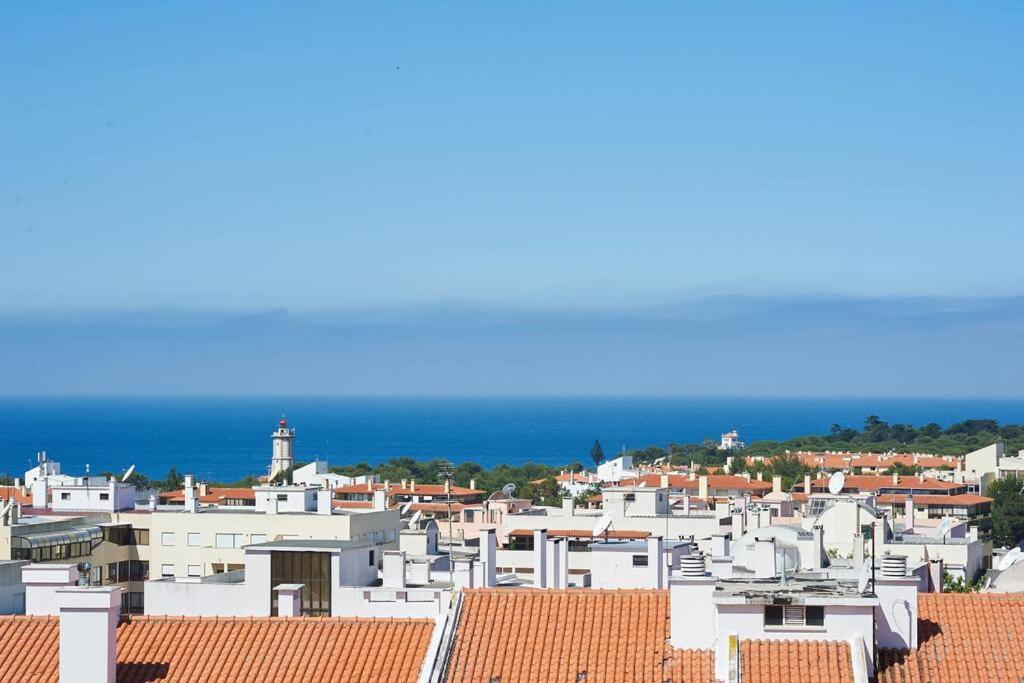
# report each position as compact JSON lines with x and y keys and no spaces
{"x":321,"y":156}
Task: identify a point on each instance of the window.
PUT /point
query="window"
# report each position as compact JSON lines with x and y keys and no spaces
{"x":140,"y":536}
{"x":194,"y":538}
{"x":630,"y":497}
{"x":167,"y":570}
{"x":282,"y":497}
{"x":312,"y":570}
{"x":136,"y":603}
{"x":65,"y":496}
{"x":104,"y":496}
{"x":229,"y":541}
{"x":139,"y":570}
{"x":167,"y":538}
{"x":195,"y":570}
{"x":371,"y":558}
{"x":794,"y":615}
{"x":112,"y":573}
{"x":122,"y":570}
{"x":639,"y":560}
{"x":258,"y":538}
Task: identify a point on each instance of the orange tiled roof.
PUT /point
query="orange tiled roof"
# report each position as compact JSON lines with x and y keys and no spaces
{"x":8,"y":492}
{"x":927,"y":499}
{"x":841,"y":461}
{"x":526,"y":635}
{"x":352,"y":504}
{"x":399,"y":490}
{"x":963,"y":637}
{"x":214,"y":495}
{"x":155,"y":649}
{"x":583,"y":533}
{"x":715,"y":481}
{"x":813,"y":661}
{"x":874,"y":482}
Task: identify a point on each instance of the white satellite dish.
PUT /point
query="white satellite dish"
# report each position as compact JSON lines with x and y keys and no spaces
{"x":508,"y":489}
{"x":641,"y":485}
{"x":405,"y":508}
{"x":836,"y":483}
{"x":865,"y":576}
{"x":944,"y":526}
{"x":7,"y":508}
{"x":128,"y":473}
{"x":1007,"y":560}
{"x":415,"y":518}
{"x":603,"y":523}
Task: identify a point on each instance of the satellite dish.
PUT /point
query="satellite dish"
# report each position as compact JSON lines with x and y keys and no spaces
{"x":836,"y":483}
{"x":1007,"y":560}
{"x":509,"y":489}
{"x":603,"y":524}
{"x":865,"y":576}
{"x":405,"y":508}
{"x":944,"y":526}
{"x":7,"y":508}
{"x":415,"y":518}
{"x":641,"y":485}
{"x":128,"y":473}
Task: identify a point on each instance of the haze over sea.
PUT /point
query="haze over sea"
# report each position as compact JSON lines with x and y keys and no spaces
{"x":227,"y":438}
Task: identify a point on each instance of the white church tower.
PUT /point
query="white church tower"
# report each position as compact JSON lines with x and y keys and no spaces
{"x":282,"y":458}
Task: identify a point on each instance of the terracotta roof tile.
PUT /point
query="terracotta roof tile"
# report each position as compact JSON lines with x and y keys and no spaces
{"x":874,"y":482}
{"x":929,"y":499}
{"x":583,"y":533}
{"x":8,"y":492}
{"x":155,"y":649}
{"x":963,"y":637}
{"x":715,"y":481}
{"x":813,"y":661}
{"x":525,"y":635}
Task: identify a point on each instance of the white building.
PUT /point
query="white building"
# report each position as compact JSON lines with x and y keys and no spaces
{"x":731,"y":442}
{"x":282,"y":457}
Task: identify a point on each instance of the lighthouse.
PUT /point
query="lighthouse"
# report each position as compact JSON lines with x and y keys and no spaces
{"x":282,"y":458}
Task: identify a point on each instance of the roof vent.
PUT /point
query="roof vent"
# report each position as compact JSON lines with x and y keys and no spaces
{"x":692,"y":565}
{"x":894,"y":566}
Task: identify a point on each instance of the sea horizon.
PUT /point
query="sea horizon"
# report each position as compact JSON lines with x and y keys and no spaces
{"x":225,"y":438}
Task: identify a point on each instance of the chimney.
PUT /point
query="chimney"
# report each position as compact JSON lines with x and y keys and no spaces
{"x":895,"y":478}
{"x":702,"y":488}
{"x":760,"y":476}
{"x":686,"y":504}
{"x":540,"y":565}
{"x":472,"y":484}
{"x":464,"y":572}
{"x":394,"y":569}
{"x":387,"y":485}
{"x":935,"y":571}
{"x":289,"y":599}
{"x":719,"y":545}
{"x":746,"y":475}
{"x":190,"y":481}
{"x":908,"y":515}
{"x":489,"y":556}
{"x":776,"y":484}
{"x":896,"y":614}
{"x":412,"y":485}
{"x":191,"y":502}
{"x":152,"y":502}
{"x":568,"y":507}
{"x":369,"y":485}
{"x":858,"y":550}
{"x":555,"y":568}
{"x":39,"y":488}
{"x":764,"y":558}
{"x":204,"y":489}
{"x":380,"y":500}
{"x":655,"y":563}
{"x":324,"y":504}
{"x":41,"y":583}
{"x":404,"y":482}
{"x":88,"y":633}
{"x":818,"y":550}
{"x":807,"y":484}
{"x":664,"y":481}
{"x":691,"y":605}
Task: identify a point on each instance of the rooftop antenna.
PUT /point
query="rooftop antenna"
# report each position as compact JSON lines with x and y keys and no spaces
{"x":128,"y":473}
{"x":509,"y":489}
{"x":836,"y":483}
{"x":447,"y":472}
{"x":864,"y":577}
{"x":603,"y":524}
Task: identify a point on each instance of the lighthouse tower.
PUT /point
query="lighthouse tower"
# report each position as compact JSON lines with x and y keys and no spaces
{"x":282,"y":458}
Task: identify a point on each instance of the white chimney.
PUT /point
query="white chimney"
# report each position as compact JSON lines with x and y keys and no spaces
{"x":664,"y":481}
{"x":895,"y":478}
{"x":760,"y":476}
{"x":41,"y":584}
{"x":540,"y":565}
{"x":764,"y":558}
{"x":464,"y":572}
{"x":472,"y":484}
{"x":412,"y":485}
{"x":380,"y":500}
{"x":190,"y":481}
{"x":554,"y":561}
{"x":702,"y":487}
{"x":39,"y":487}
{"x":897,"y":604}
{"x":563,"y":549}
{"x":324,"y":502}
{"x":568,"y":507}
{"x":655,"y":563}
{"x":686,"y":504}
{"x":935,"y":570}
{"x":908,"y":515}
{"x":776,"y":484}
{"x":692,"y":609}
{"x":289,"y":599}
{"x":88,"y":633}
{"x":394,"y":569}
{"x":152,"y":502}
{"x":719,"y":545}
{"x":807,"y":484}
{"x":191,"y":502}
{"x":489,"y":555}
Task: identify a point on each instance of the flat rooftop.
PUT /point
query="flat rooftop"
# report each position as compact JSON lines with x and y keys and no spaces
{"x":312,"y":544}
{"x":797,"y":590}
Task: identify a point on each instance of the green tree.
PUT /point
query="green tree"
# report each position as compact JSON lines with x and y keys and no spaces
{"x":902,"y":470}
{"x":172,"y":482}
{"x":1007,"y":511}
{"x":597,"y":453}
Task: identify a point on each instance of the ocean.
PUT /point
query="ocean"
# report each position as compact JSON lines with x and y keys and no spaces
{"x":227,"y":438}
